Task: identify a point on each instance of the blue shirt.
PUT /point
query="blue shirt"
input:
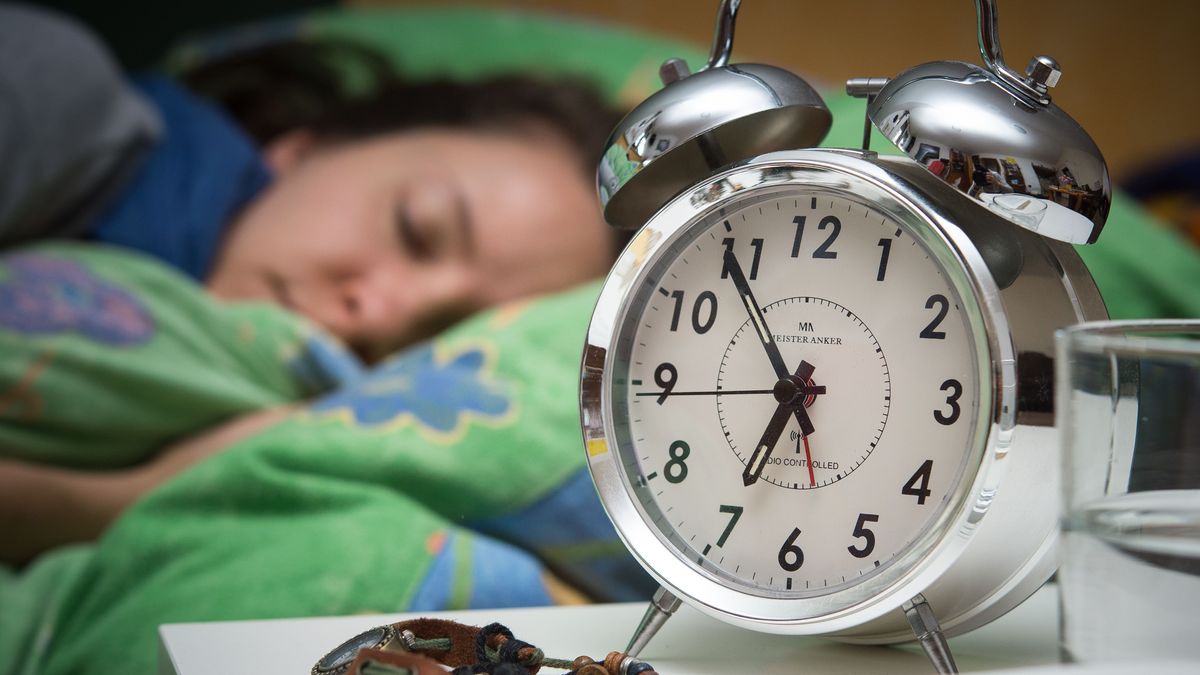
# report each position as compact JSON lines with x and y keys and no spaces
{"x":194,"y":182}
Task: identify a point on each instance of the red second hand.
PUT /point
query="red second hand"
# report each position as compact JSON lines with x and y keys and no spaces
{"x":812,"y":480}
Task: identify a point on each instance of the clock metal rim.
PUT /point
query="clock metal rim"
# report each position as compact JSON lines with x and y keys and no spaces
{"x":935,"y":550}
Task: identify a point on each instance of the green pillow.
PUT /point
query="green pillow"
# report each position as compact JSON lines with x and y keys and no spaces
{"x":469,"y":44}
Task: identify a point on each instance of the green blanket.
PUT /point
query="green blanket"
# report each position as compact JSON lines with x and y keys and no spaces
{"x":448,"y":477}
{"x":97,"y":376}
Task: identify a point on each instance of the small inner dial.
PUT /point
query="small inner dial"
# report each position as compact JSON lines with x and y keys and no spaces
{"x":848,"y":388}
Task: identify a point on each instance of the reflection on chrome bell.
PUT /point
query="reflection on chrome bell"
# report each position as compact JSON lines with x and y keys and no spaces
{"x":995,"y":136}
{"x":699,"y":122}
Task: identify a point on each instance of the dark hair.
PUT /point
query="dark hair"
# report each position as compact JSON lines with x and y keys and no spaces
{"x":344,"y":90}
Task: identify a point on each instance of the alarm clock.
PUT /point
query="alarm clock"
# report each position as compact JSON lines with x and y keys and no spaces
{"x":816,"y":394}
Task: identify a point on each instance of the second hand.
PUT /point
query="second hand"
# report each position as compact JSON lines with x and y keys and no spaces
{"x":812,"y":479}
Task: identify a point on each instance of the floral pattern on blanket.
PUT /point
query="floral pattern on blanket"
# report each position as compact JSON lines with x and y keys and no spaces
{"x":44,"y":294}
{"x":439,"y":390}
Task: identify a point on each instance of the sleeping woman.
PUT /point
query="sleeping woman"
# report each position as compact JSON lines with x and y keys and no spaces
{"x":380,"y":218}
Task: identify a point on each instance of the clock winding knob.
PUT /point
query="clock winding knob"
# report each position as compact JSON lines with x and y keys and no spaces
{"x":995,"y":136}
{"x":1043,"y":71}
{"x":673,"y":69}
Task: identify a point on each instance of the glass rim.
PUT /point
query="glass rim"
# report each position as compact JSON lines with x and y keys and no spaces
{"x":1114,"y":337}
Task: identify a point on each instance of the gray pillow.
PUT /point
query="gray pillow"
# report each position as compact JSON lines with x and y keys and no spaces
{"x":72,"y":130}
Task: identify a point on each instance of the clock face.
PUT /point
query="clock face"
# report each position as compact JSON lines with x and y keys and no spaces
{"x":795,"y":393}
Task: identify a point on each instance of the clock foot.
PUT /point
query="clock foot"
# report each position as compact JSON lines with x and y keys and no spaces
{"x":661,"y":608}
{"x":929,"y":633}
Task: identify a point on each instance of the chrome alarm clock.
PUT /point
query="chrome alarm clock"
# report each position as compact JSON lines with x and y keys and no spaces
{"x":817,"y":388}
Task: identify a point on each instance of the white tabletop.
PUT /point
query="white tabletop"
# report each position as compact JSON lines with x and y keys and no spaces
{"x":690,"y":644}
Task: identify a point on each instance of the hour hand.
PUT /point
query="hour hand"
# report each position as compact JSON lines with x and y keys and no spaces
{"x":790,"y":392}
{"x":756,"y":315}
{"x":804,"y":372}
{"x":762,"y":451}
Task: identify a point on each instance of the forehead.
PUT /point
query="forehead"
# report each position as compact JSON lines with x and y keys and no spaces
{"x":513,"y":183}
{"x":535,"y":207}
{"x":533,"y":214}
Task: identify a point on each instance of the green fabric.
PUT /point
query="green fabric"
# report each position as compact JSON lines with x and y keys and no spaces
{"x":322,"y":516}
{"x":469,"y":44}
{"x":95,"y":376}
{"x":341,"y":508}
{"x":32,"y":603}
{"x":1144,"y":269}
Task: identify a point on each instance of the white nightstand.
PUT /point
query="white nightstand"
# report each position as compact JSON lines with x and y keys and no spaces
{"x":690,"y":644}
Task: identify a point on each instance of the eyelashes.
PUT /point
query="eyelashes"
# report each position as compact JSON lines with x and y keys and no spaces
{"x":432,"y":223}
{"x":414,"y":241}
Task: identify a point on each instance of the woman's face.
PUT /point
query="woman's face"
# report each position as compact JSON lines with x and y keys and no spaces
{"x":385,"y":241}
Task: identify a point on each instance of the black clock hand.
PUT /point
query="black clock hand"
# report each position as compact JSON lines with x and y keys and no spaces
{"x":791,"y":402}
{"x":804,"y":391}
{"x":705,"y":393}
{"x":766,"y":444}
{"x":756,"y":316}
{"x":765,"y":336}
{"x":804,"y":372}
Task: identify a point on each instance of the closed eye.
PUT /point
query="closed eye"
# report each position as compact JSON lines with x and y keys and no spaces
{"x":415,"y":242}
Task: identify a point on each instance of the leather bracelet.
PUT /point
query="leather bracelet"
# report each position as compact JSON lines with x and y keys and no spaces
{"x":417,"y":646}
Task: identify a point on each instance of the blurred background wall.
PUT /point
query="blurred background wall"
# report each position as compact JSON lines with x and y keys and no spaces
{"x":1127,"y":66}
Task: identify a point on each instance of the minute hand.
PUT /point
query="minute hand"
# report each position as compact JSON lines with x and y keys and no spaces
{"x":764,"y":333}
{"x":756,"y":316}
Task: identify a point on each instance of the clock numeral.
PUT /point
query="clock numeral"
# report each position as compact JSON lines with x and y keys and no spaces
{"x":676,"y":469}
{"x":918,"y":485}
{"x":706,"y":303}
{"x":790,"y":555}
{"x":886,"y":245}
{"x":665,"y":376}
{"x":734,"y":512}
{"x":799,"y":221}
{"x":699,"y":326}
{"x":866,"y":535}
{"x":757,"y":243}
{"x":931,"y":331}
{"x":677,"y":296}
{"x":956,"y":390}
{"x":822,"y":251}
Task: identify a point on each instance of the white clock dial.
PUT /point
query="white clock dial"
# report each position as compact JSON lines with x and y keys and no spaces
{"x":853,"y":424}
{"x":879,"y":366}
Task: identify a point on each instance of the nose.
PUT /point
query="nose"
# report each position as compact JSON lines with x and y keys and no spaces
{"x":372,"y":307}
{"x":383,"y":309}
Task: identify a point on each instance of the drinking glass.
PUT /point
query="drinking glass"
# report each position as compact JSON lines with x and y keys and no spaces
{"x":1128,"y":399}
